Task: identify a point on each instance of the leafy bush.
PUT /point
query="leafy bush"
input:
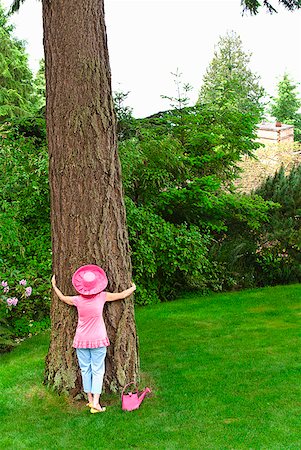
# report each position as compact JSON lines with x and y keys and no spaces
{"x":24,"y":199}
{"x":24,"y":222}
{"x":166,"y":258}
{"x":150,"y":165}
{"x":23,"y":327}
{"x":278,"y":257}
{"x":17,"y":308}
{"x":277,"y":266}
{"x":235,"y":248}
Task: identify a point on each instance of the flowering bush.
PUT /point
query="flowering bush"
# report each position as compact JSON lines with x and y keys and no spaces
{"x":20,"y":290}
{"x":9,"y":298}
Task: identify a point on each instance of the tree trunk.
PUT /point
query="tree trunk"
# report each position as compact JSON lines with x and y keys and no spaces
{"x":87,"y":209}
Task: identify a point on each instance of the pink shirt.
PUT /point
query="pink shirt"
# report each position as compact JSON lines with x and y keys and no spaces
{"x":91,"y":330}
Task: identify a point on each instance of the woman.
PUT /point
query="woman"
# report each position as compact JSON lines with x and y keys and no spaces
{"x":91,"y":340}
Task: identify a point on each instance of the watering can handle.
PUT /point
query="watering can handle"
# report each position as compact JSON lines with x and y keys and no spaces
{"x":132,"y":382}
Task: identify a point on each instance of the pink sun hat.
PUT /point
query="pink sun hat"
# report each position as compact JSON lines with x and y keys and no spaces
{"x":89,"y":280}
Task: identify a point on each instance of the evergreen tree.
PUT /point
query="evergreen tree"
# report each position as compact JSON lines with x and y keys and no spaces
{"x":285,"y":190}
{"x":17,"y":97}
{"x":40,"y":85}
{"x":279,"y":256}
{"x":232,"y":94}
{"x":228,"y":82}
{"x":88,"y":219}
{"x":125,"y":119}
{"x":286,"y":104}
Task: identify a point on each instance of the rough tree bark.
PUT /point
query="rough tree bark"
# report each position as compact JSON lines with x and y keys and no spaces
{"x":87,"y":209}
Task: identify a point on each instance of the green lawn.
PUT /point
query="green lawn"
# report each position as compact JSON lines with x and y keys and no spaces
{"x":225,"y":371}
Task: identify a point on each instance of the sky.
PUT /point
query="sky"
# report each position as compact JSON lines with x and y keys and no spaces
{"x":150,"y":39}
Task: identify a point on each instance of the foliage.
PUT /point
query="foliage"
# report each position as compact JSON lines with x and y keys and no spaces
{"x":167,"y":259}
{"x":253,"y":5}
{"x":181,"y":100}
{"x":11,"y":295}
{"x":40,"y":85}
{"x":178,"y":169}
{"x":228,"y":81}
{"x":213,"y":137}
{"x":151,"y":164}
{"x":35,"y":306}
{"x":24,"y":199}
{"x":211,"y":140}
{"x":30,"y":127}
{"x":125,"y":120}
{"x":203,"y":203}
{"x":279,"y":253}
{"x":182,"y":160}
{"x":24,"y":220}
{"x":286,"y":105}
{"x":17,"y":92}
{"x":236,"y":249}
{"x":179,"y":180}
{"x":184,"y":219}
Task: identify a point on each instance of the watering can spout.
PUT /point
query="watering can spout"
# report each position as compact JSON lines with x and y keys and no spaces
{"x":143,"y":394}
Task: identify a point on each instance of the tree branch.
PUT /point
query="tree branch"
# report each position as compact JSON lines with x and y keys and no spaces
{"x":15,"y":6}
{"x":253,"y":5}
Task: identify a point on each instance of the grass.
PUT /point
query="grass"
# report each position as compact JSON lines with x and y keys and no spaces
{"x":225,"y":371}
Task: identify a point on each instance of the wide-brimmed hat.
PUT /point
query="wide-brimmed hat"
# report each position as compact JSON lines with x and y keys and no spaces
{"x":89,"y":280}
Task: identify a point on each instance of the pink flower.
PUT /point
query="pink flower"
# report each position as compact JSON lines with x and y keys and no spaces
{"x":12,"y":301}
{"x":4,"y":283}
{"x":23,"y":282}
{"x":28,"y":291}
{"x":6,"y":289}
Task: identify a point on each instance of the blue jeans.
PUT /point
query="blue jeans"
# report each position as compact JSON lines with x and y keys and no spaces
{"x":92,"y":365}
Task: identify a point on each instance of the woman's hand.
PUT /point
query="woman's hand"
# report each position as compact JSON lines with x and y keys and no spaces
{"x":133,"y":286}
{"x":53,"y":281}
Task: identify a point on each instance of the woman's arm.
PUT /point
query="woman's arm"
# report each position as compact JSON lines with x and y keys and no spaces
{"x":65,"y":298}
{"x":121,"y":295}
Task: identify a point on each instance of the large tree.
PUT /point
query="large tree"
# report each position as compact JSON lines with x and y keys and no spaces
{"x":87,"y":211}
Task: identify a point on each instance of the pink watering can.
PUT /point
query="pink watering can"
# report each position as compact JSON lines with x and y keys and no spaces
{"x":132,"y":400}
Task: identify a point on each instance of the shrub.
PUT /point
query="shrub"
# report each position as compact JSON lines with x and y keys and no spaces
{"x":278,"y":257}
{"x":166,"y":258}
{"x":30,"y":314}
{"x":24,"y":199}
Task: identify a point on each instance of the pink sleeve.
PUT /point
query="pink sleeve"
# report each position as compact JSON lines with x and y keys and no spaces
{"x":75,"y":300}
